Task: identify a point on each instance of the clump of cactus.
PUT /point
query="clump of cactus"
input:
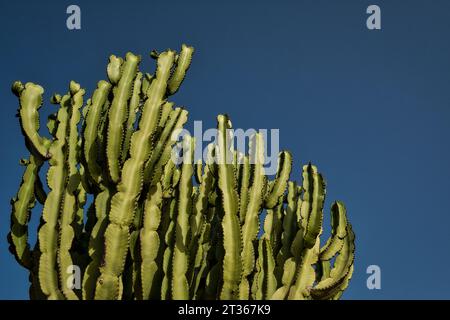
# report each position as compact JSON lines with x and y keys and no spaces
{"x":151,"y":231}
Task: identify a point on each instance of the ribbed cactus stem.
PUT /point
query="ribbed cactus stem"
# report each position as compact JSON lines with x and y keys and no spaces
{"x":96,"y":243}
{"x":264,"y":281}
{"x":312,"y":204}
{"x":281,"y":180}
{"x":133,"y":108}
{"x":21,"y":205}
{"x":118,"y":114}
{"x":200,"y":227}
{"x":70,"y":206}
{"x":180,"y":284}
{"x":289,"y":229}
{"x":183,"y":62}
{"x":338,"y":232}
{"x":162,"y":150}
{"x":93,"y":118}
{"x":56,"y":179}
{"x":250,"y":228}
{"x":245,"y":175}
{"x":232,"y":266}
{"x":150,"y":241}
{"x":169,"y":241}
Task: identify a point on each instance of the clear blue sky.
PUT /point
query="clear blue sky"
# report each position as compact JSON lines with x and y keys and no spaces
{"x":370,"y":108}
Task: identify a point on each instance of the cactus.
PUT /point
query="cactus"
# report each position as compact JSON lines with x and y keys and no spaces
{"x":150,"y":231}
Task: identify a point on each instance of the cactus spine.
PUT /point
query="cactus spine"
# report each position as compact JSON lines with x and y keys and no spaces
{"x":151,"y":232}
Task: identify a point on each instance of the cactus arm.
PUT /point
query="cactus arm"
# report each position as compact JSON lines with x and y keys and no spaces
{"x":271,"y":280}
{"x":47,"y":234}
{"x":237,"y":159}
{"x":96,"y":242}
{"x":338,"y":233}
{"x":21,"y":207}
{"x":176,"y":177}
{"x":289,"y":228}
{"x":258,"y":277}
{"x":273,"y":225}
{"x":183,"y":62}
{"x":166,"y":179}
{"x":264,"y":282}
{"x":124,"y":202}
{"x":134,"y":259}
{"x":146,"y":81}
{"x":91,"y":128}
{"x":344,"y":285}
{"x":291,"y":250}
{"x":201,"y":262}
{"x":133,"y":108}
{"x":201,"y":204}
{"x":245,"y":186}
{"x":341,"y":271}
{"x":306,"y":274}
{"x":101,"y":139}
{"x":149,"y":240}
{"x":30,"y":98}
{"x":132,"y":276}
{"x":169,"y":240}
{"x":200,"y":226}
{"x":180,"y":285}
{"x":72,"y":139}
{"x":163,"y":138}
{"x":166,"y":110}
{"x":114,"y":69}
{"x":66,"y":238}
{"x":162,"y":150}
{"x":109,"y":284}
{"x":118,"y":113}
{"x":69,"y":203}
{"x":288,"y":274}
{"x":279,"y":185}
{"x":230,"y":222}
{"x":304,"y":248}
{"x":167,"y":151}
{"x":298,"y":274}
{"x":250,"y":228}
{"x":312,"y":204}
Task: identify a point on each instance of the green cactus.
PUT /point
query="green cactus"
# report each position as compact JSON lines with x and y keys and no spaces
{"x":151,"y":232}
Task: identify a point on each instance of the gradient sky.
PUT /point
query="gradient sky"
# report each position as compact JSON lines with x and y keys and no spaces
{"x":370,"y":108}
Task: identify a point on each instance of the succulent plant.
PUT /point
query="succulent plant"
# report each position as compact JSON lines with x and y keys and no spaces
{"x":136,"y":225}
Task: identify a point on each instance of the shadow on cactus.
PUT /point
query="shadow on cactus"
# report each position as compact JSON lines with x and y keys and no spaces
{"x":151,"y":232}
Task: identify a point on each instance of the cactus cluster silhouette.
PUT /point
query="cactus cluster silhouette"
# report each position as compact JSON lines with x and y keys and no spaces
{"x":140,"y":226}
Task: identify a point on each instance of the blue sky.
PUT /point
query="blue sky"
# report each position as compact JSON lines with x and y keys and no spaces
{"x":370,"y":108}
